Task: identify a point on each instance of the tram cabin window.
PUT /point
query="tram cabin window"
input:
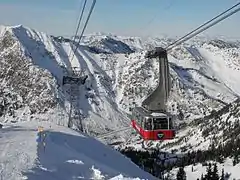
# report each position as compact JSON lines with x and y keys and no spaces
{"x":148,"y":123}
{"x":160,"y":123}
{"x":170,"y":123}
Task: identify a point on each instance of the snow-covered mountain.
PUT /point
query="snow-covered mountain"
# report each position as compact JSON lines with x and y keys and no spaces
{"x":118,"y":76}
{"x":204,"y":73}
{"x":32,"y":68}
{"x":199,"y":69}
{"x":198,"y":84}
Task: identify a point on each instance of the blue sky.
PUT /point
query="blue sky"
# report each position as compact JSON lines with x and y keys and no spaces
{"x":123,"y":17}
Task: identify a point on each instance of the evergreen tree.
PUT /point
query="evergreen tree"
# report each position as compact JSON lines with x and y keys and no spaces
{"x":222,"y":176}
{"x":215,"y":175}
{"x":235,"y":159}
{"x":234,"y":162}
{"x":209,"y":172}
{"x":181,"y":175}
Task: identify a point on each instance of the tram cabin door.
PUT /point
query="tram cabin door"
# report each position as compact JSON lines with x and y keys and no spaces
{"x":148,"y":128}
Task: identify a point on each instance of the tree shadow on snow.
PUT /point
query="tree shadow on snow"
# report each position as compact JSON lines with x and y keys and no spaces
{"x":72,"y":157}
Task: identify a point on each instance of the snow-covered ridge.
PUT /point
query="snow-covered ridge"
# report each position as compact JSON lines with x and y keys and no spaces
{"x":67,"y":155}
{"x":22,"y":82}
{"x":43,"y":62}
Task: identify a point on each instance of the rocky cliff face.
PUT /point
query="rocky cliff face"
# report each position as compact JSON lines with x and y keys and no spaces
{"x":24,"y":87}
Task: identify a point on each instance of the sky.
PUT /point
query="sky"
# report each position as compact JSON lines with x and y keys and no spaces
{"x":121,"y":17}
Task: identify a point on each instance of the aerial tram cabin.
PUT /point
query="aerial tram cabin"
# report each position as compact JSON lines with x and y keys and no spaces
{"x":152,"y":126}
{"x":151,"y":120}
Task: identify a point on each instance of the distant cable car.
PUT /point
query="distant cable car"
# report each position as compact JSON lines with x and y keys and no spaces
{"x":151,"y":120}
{"x":74,"y":80}
{"x":74,"y":76}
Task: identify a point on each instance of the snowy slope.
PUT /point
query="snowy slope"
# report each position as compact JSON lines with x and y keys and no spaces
{"x":221,"y":127}
{"x":198,"y":87}
{"x":68,"y":155}
{"x":44,"y":62}
{"x":17,"y":151}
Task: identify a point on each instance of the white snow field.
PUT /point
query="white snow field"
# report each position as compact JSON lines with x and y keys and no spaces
{"x":68,"y":155}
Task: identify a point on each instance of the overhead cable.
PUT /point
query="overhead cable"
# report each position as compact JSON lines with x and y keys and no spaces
{"x":85,"y":25}
{"x":79,"y":23}
{"x":197,"y":30}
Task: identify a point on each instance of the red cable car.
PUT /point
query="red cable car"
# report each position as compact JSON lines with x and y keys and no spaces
{"x":152,"y":126}
{"x":151,"y":120}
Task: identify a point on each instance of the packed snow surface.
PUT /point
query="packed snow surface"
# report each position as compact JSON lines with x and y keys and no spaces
{"x":67,"y":155}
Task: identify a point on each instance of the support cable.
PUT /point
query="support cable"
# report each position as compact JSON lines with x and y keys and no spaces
{"x":85,"y":25}
{"x":185,"y":38}
{"x":78,"y":24}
